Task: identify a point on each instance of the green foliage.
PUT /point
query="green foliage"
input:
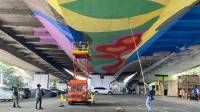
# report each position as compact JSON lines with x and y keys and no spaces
{"x":9,"y":79}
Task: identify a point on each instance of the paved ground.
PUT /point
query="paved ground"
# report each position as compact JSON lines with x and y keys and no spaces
{"x":106,"y":103}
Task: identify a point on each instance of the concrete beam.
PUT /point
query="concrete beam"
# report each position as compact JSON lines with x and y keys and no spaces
{"x":15,"y":11}
{"x":10,"y":32}
{"x":22,"y":30}
{"x":27,"y":36}
{"x":13,"y":51}
{"x":158,"y":63}
{"x":19,"y":20}
{"x":32,"y":40}
{"x":47,"y":46}
{"x":54,"y":50}
{"x":57,"y":55}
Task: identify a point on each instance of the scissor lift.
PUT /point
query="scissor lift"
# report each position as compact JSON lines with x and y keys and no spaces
{"x":78,"y":89}
{"x":81,"y":54}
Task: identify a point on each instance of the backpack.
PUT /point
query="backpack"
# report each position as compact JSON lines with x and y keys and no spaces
{"x":15,"y":92}
{"x":152,"y":93}
{"x":195,"y":91}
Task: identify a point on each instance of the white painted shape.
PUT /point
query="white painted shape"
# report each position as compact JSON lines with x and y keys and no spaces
{"x":42,"y":79}
{"x":61,"y":86}
{"x":96,"y":81}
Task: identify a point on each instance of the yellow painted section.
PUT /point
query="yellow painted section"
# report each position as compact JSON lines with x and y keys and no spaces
{"x":89,"y":24}
{"x":56,"y":6}
{"x":164,"y":2}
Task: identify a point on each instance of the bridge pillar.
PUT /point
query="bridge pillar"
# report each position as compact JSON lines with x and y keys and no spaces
{"x":42,"y":79}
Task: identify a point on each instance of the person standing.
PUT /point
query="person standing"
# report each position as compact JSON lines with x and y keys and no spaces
{"x":150,"y":92}
{"x":62,"y":99}
{"x":196,"y":93}
{"x":39,"y":94}
{"x":182,"y":94}
{"x":16,"y":96}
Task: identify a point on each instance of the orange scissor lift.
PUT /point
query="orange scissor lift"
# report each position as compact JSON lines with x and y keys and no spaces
{"x":78,"y":89}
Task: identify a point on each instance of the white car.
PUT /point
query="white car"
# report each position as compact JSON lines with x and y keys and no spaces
{"x":6,"y":94}
{"x":102,"y":90}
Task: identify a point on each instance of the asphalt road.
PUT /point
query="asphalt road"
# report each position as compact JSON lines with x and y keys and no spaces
{"x":108,"y":103}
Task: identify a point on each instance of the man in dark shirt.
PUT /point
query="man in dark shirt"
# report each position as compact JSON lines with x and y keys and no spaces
{"x":150,"y":92}
{"x":195,"y":92}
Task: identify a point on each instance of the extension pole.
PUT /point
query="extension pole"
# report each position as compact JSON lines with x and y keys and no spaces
{"x":138,"y":56}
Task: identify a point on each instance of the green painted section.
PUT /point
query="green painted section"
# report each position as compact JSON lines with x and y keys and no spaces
{"x":112,"y":9}
{"x":99,"y":62}
{"x":106,"y":38}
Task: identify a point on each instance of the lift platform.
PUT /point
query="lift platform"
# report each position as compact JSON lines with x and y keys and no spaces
{"x":78,"y":89}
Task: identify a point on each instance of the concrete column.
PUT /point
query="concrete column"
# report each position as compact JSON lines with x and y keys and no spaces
{"x":173,"y":88}
{"x":42,"y":79}
{"x":1,"y":77}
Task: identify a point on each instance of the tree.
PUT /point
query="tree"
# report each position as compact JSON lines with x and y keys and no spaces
{"x":9,"y":78}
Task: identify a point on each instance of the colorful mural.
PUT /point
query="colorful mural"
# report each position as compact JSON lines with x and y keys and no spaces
{"x":107,"y":25}
{"x":118,"y":50}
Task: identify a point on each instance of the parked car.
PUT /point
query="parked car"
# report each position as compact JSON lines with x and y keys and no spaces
{"x":25,"y":93}
{"x":33,"y":92}
{"x":57,"y":91}
{"x":102,"y":90}
{"x":49,"y":93}
{"x":6,"y":94}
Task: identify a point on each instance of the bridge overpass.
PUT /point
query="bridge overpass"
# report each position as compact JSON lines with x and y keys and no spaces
{"x":37,"y":35}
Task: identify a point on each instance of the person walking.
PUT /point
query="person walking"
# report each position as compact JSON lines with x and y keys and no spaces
{"x":39,"y":94}
{"x":150,"y":92}
{"x":16,"y":96}
{"x":196,"y":93}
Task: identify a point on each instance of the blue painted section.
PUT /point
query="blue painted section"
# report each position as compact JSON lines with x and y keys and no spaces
{"x":184,"y":31}
{"x":149,"y":43}
{"x":192,"y":17}
{"x":78,"y":35}
{"x":71,"y":34}
{"x":195,"y":10}
{"x":188,"y":23}
{"x":182,"y":28}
